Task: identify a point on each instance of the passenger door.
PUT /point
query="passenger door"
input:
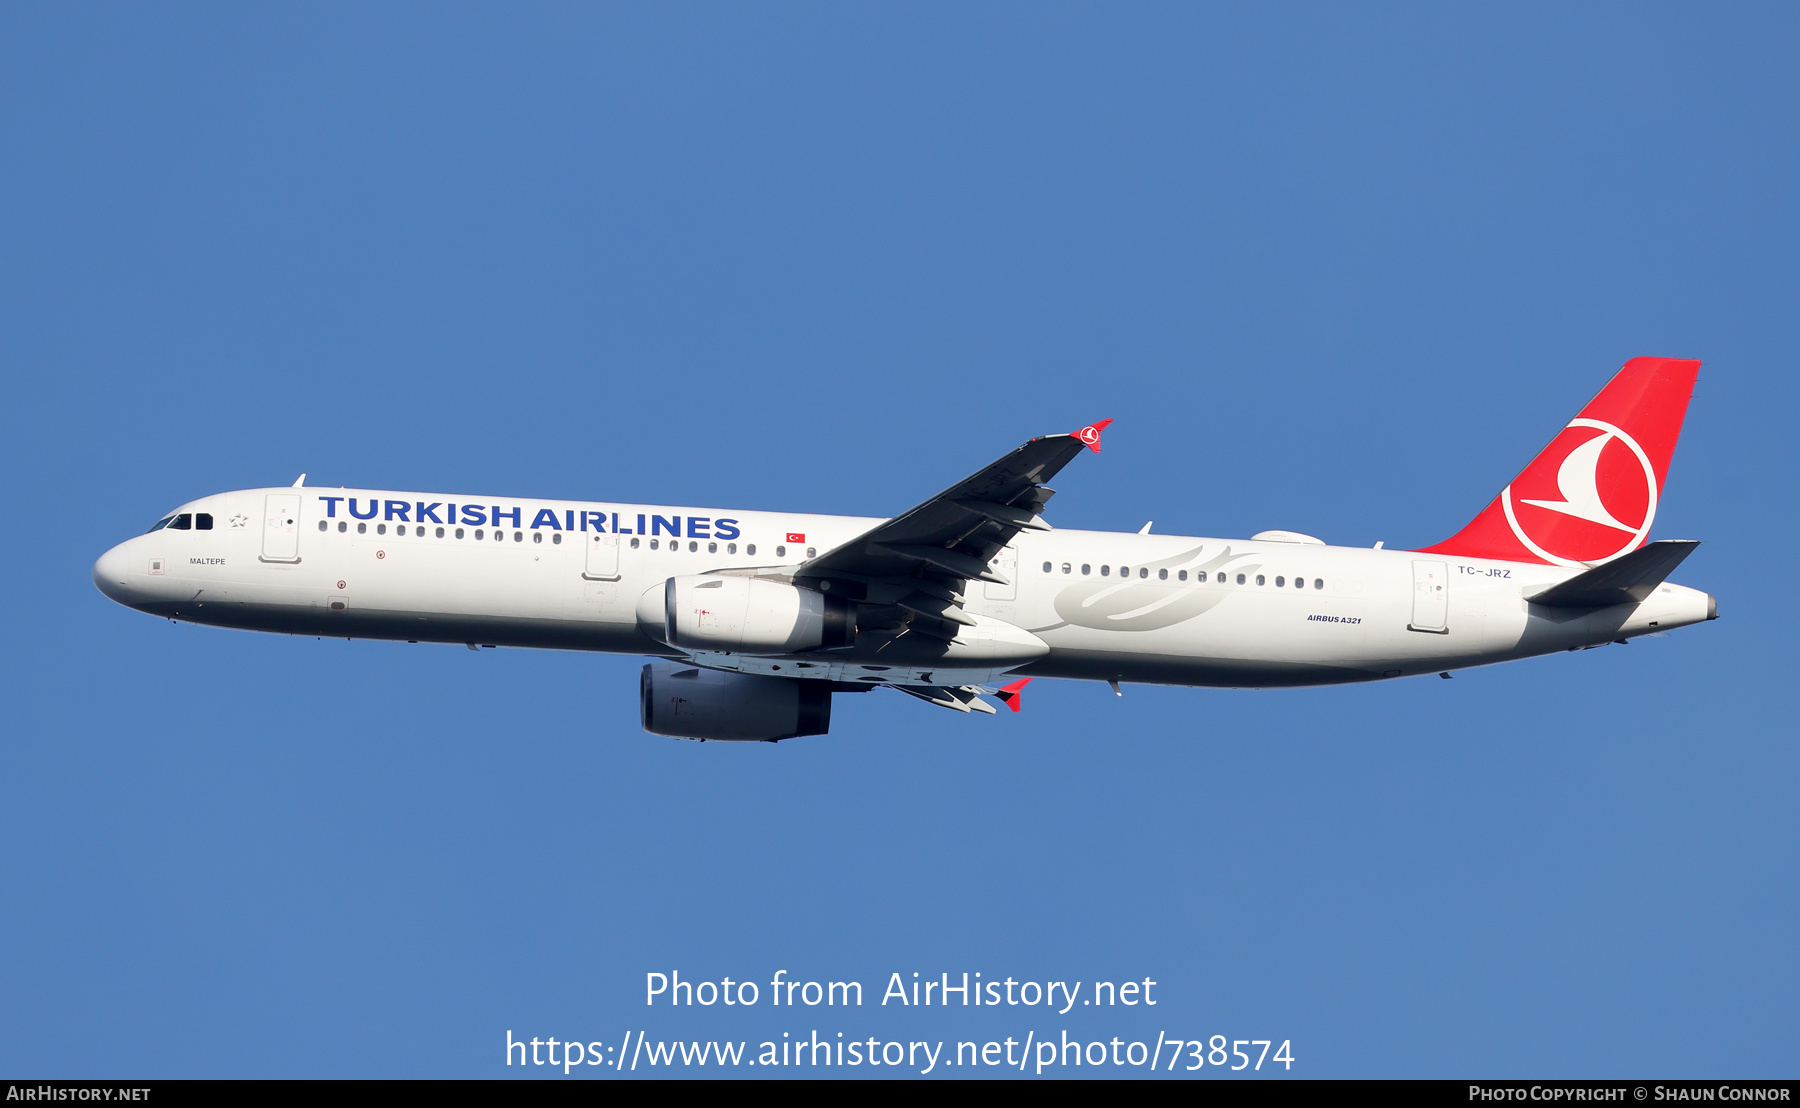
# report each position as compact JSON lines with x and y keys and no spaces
{"x":1431,"y":598}
{"x":602,"y":558}
{"x":281,"y":527}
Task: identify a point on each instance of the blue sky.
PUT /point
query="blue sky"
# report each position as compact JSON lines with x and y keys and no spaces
{"x":1334,"y":269}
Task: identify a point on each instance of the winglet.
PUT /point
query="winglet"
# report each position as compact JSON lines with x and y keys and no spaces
{"x":1010,"y":694}
{"x":1091,"y":435}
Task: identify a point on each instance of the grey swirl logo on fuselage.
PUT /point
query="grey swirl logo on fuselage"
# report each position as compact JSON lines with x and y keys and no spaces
{"x":1145,"y":603}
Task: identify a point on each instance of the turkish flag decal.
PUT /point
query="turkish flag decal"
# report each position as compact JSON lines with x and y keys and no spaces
{"x":796,"y":536}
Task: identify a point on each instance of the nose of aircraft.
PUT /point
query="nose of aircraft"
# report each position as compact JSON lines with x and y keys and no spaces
{"x":110,"y":574}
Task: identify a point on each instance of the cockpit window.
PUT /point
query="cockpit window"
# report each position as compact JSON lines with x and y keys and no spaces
{"x":203,"y":521}
{"x":161,"y":523}
{"x":182,"y":522}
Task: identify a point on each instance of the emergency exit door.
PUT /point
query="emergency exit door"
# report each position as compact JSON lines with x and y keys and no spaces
{"x":602,"y":558}
{"x":281,"y":527}
{"x":1431,"y":598}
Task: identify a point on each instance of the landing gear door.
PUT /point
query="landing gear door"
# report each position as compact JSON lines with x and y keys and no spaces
{"x":1431,"y":598}
{"x":602,"y":558}
{"x":281,"y":527}
{"x":1006,"y":564}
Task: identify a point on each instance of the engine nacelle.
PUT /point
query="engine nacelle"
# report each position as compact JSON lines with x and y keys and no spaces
{"x":744,"y":615}
{"x":691,"y":703}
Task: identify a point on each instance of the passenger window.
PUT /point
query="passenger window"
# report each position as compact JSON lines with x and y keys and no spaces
{"x":781,"y":552}
{"x":1066,"y":567}
{"x":1259,"y":578}
{"x":1163,"y":575}
{"x":1124,"y":571}
{"x":1318,"y":582}
{"x":812,"y":552}
{"x":203,"y":522}
{"x":1106,"y":571}
{"x":634,"y":543}
{"x":731,"y":548}
{"x":1240,"y":578}
{"x":750,"y":550}
{"x":479,"y":535}
{"x":381,"y":528}
{"x":1144,"y":571}
{"x":182,"y":522}
{"x":1046,"y":567}
{"x":518,"y":536}
{"x":440,"y":532}
{"x":459,"y":532}
{"x":1279,"y":581}
{"x":321,"y":525}
{"x":537,"y":536}
{"x":712,"y":548}
{"x":1085,"y":568}
{"x":653,"y":545}
{"x":342,"y":527}
{"x":362,"y":528}
{"x":1182,"y":576}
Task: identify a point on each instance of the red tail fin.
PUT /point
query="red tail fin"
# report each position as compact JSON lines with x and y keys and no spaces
{"x":1592,"y":493}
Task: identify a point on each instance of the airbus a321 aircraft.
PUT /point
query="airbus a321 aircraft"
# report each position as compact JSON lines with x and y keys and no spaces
{"x":757,"y":618}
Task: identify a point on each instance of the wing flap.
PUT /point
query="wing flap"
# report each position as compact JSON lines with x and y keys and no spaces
{"x":954,"y":562}
{"x":962,"y":698}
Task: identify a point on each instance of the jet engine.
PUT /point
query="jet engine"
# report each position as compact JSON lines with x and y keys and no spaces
{"x":692,"y":703}
{"x":744,"y":615}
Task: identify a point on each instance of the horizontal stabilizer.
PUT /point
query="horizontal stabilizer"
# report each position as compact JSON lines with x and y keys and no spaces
{"x":1626,"y":580}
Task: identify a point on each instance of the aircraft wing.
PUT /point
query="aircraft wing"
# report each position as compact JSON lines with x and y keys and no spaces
{"x":920,"y":560}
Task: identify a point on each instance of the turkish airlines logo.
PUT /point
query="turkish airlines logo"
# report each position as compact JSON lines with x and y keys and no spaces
{"x":1597,"y":504}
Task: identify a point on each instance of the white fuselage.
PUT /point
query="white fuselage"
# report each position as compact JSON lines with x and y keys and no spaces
{"x":1163,"y":609}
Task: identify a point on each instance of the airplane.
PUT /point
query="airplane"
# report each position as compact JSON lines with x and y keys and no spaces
{"x":756,"y":619}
